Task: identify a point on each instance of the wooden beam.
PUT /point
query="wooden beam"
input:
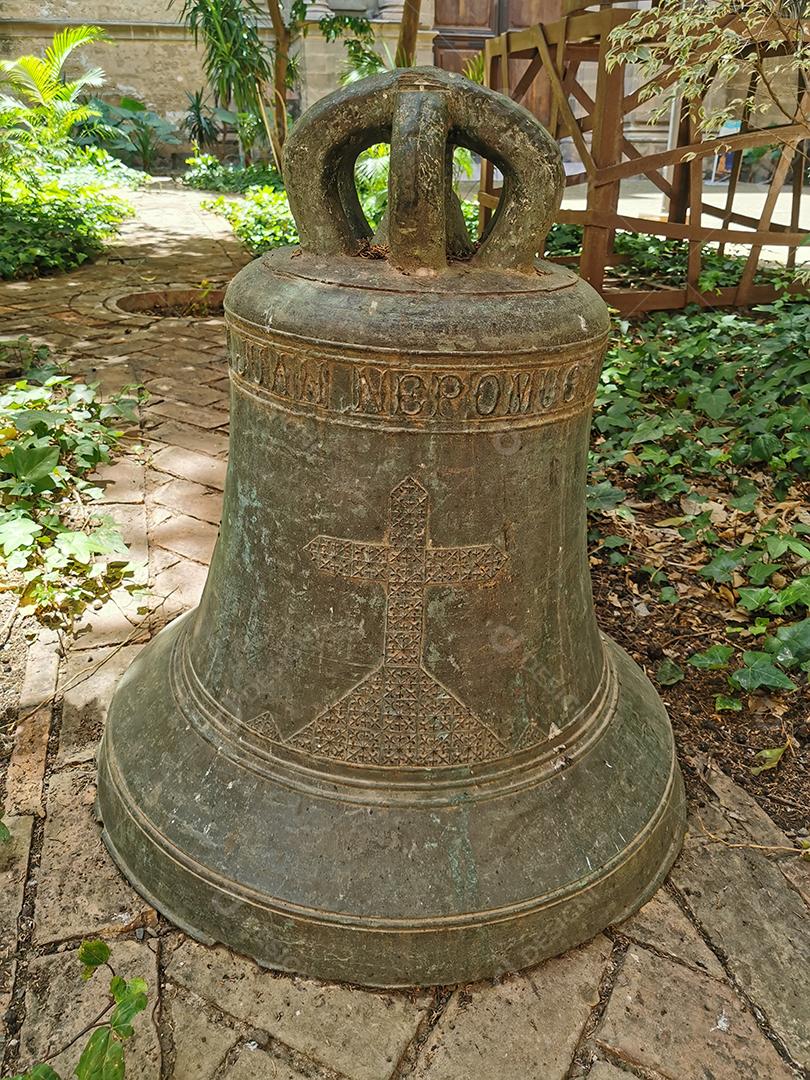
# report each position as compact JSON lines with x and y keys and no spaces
{"x":761,"y":137}
{"x":677,"y":230}
{"x":606,"y":149}
{"x":694,"y":259}
{"x":568,"y":118}
{"x":746,"y":282}
{"x":527,"y":78}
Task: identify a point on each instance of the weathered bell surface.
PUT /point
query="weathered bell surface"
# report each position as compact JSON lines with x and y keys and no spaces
{"x":391,"y":745}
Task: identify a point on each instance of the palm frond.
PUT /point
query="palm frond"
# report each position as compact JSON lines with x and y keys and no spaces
{"x":64,"y":42}
{"x":32,"y":76}
{"x":94,"y":77}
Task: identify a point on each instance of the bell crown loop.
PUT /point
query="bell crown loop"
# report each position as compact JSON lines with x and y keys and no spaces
{"x":424,"y":113}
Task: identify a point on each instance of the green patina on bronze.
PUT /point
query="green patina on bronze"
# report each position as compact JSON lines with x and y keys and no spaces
{"x":391,"y":745}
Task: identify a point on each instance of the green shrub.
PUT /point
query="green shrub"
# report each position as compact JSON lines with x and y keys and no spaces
{"x":56,"y":209}
{"x":207,"y":173}
{"x":262,"y":219}
{"x":53,"y":432}
{"x":652,"y":260}
{"x":46,"y":228}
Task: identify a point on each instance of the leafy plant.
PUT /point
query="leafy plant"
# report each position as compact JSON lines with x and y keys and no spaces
{"x":132,"y":128}
{"x":56,"y":552}
{"x":103,"y":1055}
{"x":50,"y":228}
{"x":199,"y":122}
{"x":39,"y":119}
{"x":262,"y":219}
{"x":207,"y":173}
{"x":758,"y":45}
{"x":656,"y":262}
{"x":56,"y":209}
{"x":240,"y":67}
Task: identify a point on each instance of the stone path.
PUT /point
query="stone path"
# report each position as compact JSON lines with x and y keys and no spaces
{"x":710,"y":981}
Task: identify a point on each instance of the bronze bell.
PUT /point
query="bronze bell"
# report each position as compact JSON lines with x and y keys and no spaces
{"x":391,"y":745}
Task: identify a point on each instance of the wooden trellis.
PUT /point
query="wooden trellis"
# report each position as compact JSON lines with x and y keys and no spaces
{"x":556,"y":54}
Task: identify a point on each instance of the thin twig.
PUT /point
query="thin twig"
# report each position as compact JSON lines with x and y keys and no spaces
{"x":89,"y":1027}
{"x":6,"y":634}
{"x":754,"y":847}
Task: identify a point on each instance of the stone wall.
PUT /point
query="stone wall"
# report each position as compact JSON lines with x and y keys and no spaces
{"x":150,"y":56}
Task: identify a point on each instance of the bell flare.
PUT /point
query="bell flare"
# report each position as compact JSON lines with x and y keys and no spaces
{"x":343,"y":880}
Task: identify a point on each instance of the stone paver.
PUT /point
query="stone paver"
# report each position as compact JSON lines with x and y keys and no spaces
{"x":186,"y":536}
{"x":358,"y":1033}
{"x":662,"y":925}
{"x":27,"y":766}
{"x":191,"y":499}
{"x":13,"y":873}
{"x":201,"y":1041}
{"x":603,"y":1070}
{"x":193,"y":393}
{"x":79,"y":891}
{"x":528,"y":1026}
{"x":180,"y":585}
{"x":189,"y":438}
{"x":191,"y":465}
{"x":684,"y":1025}
{"x":90,"y":678}
{"x":254,"y":1064}
{"x":759,"y":923}
{"x":198,"y":415}
{"x":59,"y":1003}
{"x":122,"y":481}
{"x":121,"y":619}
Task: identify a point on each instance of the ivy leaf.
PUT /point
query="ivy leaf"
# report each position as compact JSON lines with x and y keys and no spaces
{"x":5,"y":835}
{"x":102,"y":1058}
{"x":759,"y":572}
{"x":17,"y":533}
{"x":30,"y":463}
{"x":797,"y":593}
{"x":668,"y":673}
{"x":790,"y":645}
{"x":604,"y":496}
{"x":26,"y":419}
{"x":713,"y":403}
{"x":721,"y":567}
{"x":131,"y":1003}
{"x":723,"y":703}
{"x":752,"y":599}
{"x":759,"y":671}
{"x":93,"y":954}
{"x":764,"y":447}
{"x":713,"y":659}
{"x":770,"y":758}
{"x":745,"y":503}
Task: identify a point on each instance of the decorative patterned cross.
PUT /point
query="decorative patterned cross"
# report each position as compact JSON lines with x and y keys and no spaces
{"x":400,"y":714}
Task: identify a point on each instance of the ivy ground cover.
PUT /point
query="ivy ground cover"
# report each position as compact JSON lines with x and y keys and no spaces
{"x":700,"y":534}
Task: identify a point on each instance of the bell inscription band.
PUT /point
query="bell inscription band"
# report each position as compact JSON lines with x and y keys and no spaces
{"x":391,"y":745}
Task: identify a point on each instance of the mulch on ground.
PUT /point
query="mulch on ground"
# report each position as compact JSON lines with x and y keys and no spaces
{"x":628,"y":609}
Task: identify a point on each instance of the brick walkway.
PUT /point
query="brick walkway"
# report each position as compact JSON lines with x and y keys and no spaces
{"x":710,"y":981}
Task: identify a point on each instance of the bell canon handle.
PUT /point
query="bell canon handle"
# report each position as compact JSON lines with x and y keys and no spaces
{"x":423,"y":113}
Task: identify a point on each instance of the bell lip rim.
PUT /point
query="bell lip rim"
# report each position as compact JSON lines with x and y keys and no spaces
{"x":668,"y":806}
{"x":520,"y":769}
